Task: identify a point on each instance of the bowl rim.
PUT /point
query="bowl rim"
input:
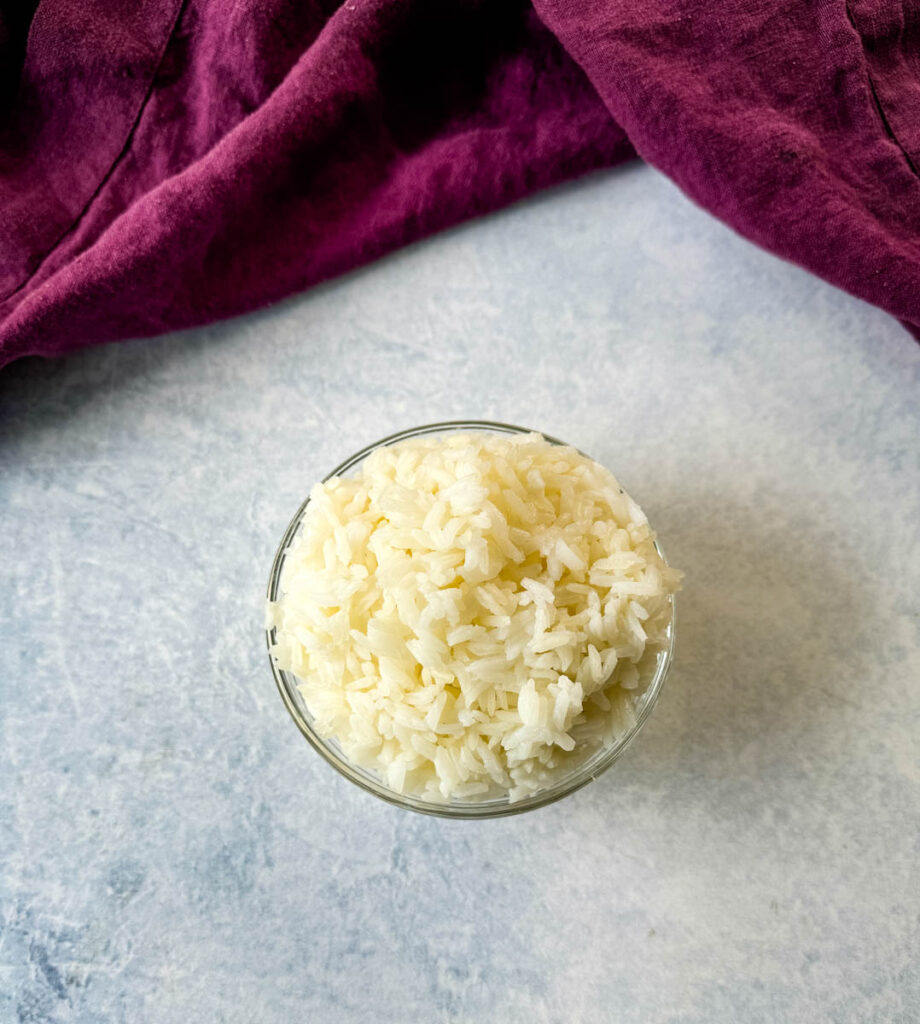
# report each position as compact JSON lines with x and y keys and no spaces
{"x":496,"y":807}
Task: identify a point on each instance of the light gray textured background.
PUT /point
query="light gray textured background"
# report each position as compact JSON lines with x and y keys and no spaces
{"x":172,"y":851}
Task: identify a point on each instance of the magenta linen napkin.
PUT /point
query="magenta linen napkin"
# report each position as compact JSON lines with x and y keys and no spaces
{"x":167,"y":163}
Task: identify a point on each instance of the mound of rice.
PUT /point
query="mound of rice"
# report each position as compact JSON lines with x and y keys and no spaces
{"x":472,"y":612}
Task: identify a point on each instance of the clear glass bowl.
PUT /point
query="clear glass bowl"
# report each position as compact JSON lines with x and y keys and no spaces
{"x":584,"y":772}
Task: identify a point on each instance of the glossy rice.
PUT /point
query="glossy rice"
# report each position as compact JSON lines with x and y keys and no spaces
{"x":471,"y":613}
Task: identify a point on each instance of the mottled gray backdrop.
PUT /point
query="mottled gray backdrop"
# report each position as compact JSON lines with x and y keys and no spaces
{"x":172,"y":851}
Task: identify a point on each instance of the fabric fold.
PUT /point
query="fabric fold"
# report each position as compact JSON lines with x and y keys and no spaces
{"x":88,"y":71}
{"x":765,"y":115}
{"x":165,"y":164}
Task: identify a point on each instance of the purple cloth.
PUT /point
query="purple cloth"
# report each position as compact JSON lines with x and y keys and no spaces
{"x":165,"y":163}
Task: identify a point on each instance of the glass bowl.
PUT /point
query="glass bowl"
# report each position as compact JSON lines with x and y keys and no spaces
{"x":492,"y":807}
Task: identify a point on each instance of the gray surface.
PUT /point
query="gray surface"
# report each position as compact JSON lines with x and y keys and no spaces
{"x":171,"y":850}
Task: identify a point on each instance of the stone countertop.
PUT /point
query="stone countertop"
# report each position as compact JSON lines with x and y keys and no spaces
{"x":171,"y":850}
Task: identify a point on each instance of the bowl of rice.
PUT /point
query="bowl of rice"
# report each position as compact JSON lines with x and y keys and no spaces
{"x":470,"y":619}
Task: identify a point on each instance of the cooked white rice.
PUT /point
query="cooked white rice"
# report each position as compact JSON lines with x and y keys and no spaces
{"x":472,"y":612}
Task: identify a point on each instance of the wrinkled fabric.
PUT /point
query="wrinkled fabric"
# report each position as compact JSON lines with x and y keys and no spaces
{"x":165,"y":163}
{"x":796,"y":123}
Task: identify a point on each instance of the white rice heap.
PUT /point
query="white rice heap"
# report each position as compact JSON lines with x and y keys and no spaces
{"x":472,"y":612}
